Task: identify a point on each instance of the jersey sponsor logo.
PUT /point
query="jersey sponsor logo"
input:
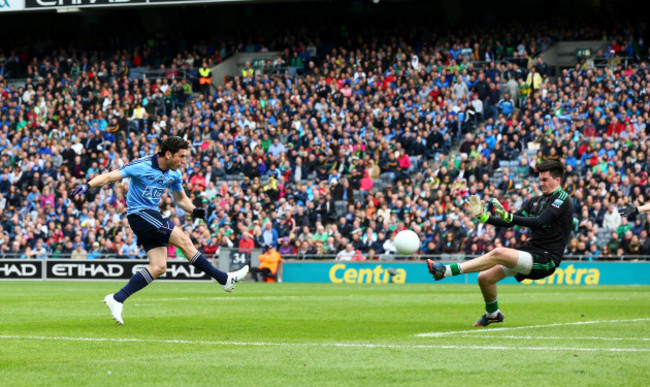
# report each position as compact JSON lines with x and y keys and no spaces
{"x":557,"y":203}
{"x":153,"y":192}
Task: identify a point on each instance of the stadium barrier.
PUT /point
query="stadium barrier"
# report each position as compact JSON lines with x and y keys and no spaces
{"x":575,"y":270}
{"x":93,"y":269}
{"x":569,"y":273}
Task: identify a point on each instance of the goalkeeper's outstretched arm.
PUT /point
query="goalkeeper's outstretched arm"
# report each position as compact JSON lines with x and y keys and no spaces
{"x":533,"y":222}
{"x":497,"y":221}
{"x":546,"y":217}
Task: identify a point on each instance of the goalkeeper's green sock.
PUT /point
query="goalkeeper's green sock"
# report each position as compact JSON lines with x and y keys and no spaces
{"x":492,"y":308}
{"x":453,"y":269}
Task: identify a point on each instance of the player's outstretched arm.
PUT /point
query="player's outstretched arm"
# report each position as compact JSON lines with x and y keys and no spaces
{"x":96,"y":182}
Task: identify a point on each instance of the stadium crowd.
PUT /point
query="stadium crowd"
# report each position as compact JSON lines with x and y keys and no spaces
{"x":359,"y":141}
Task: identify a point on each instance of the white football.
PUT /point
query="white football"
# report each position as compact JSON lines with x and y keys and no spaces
{"x":407,"y":242}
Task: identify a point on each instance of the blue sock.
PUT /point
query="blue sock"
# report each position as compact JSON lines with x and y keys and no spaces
{"x":199,"y":261}
{"x":139,"y":280}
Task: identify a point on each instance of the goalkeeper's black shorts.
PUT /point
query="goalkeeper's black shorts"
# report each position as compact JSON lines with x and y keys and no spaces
{"x":544,"y":264}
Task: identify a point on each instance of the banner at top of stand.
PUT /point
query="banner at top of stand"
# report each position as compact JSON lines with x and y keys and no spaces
{"x":12,"y":5}
{"x":44,"y":4}
{"x":19,"y":5}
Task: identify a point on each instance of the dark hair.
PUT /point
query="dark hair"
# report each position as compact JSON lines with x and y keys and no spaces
{"x":173,"y":144}
{"x":554,"y":167}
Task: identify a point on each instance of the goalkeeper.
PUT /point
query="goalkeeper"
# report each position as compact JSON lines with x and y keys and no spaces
{"x":549,"y":216}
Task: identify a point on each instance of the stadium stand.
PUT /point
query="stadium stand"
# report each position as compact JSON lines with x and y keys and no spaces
{"x":342,"y":142}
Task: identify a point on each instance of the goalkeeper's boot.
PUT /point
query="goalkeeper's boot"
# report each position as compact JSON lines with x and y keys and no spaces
{"x":436,"y":269}
{"x":115,"y":307}
{"x":235,"y":277}
{"x":485,"y":320}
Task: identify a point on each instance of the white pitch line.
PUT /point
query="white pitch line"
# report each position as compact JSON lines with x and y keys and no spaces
{"x":286,"y":297}
{"x":491,"y":330}
{"x":597,"y":338}
{"x":199,"y":298}
{"x":322,"y":345}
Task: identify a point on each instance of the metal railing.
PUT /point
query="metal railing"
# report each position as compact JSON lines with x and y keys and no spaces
{"x":91,"y":256}
{"x":457,"y":257}
{"x":171,"y":74}
{"x":612,"y":61}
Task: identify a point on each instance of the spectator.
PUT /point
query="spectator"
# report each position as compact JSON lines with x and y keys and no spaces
{"x":246,"y":243}
{"x":79,"y":252}
{"x":450,"y":246}
{"x":130,"y":248}
{"x":611,"y":220}
{"x":389,"y":245}
{"x":40,"y":251}
{"x":506,"y":105}
{"x":346,"y":254}
{"x":211,"y":249}
{"x":269,"y":262}
{"x":95,"y":252}
{"x":286,"y":248}
{"x":269,"y":235}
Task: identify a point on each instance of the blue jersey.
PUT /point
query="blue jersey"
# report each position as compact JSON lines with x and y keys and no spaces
{"x":148,"y":183}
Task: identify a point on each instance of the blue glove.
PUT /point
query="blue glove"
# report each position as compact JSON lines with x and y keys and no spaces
{"x":78,"y":190}
{"x":199,"y":213}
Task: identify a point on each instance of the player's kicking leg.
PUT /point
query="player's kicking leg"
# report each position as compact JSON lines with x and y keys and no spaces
{"x":227,"y":280}
{"x":493,"y":267}
{"x":499,"y":256}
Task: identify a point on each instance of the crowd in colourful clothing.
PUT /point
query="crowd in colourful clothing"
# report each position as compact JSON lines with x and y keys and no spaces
{"x":366,"y":141}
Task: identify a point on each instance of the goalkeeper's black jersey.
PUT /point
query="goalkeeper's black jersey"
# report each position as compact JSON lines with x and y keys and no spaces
{"x":551,"y":237}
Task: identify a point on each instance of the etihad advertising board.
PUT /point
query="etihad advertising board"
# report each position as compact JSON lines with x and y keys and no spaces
{"x":65,"y":269}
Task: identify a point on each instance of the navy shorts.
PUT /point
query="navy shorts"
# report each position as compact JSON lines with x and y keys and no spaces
{"x":151,"y":228}
{"x":544,"y":264}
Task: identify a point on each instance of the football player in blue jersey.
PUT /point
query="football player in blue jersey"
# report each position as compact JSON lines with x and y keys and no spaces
{"x":151,"y":177}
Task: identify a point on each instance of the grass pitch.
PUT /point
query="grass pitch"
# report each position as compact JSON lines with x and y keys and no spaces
{"x":61,"y":333}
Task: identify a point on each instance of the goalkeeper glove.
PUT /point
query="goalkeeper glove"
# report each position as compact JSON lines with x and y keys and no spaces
{"x":78,"y":190}
{"x":477,"y":207}
{"x":498,"y":208}
{"x":628,"y":209}
{"x":198,"y":213}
